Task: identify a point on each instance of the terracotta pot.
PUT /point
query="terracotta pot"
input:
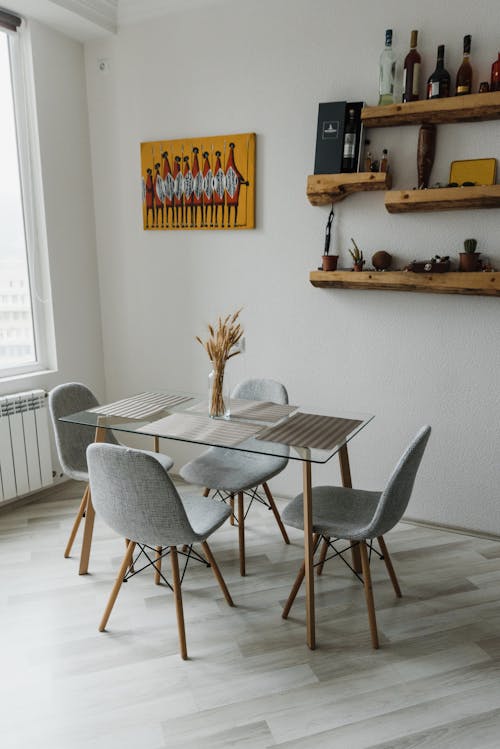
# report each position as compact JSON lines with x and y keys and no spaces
{"x":357,"y":267}
{"x":330,"y":262}
{"x":469,"y":261}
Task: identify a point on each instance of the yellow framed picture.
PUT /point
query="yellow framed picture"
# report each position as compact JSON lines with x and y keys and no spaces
{"x":199,"y":183}
{"x":477,"y":171}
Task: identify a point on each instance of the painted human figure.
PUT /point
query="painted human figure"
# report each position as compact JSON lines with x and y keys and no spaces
{"x":197,"y":189}
{"x":178,"y":193}
{"x":234,"y":180}
{"x":188,"y":192}
{"x":149,"y":197}
{"x":168,"y":188}
{"x":158,"y":190}
{"x":208,"y":191}
{"x":219,"y":189}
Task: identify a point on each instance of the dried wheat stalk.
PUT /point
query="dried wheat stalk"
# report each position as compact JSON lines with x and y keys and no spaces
{"x":219,"y":347}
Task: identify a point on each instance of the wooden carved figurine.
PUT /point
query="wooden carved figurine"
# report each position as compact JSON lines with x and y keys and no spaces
{"x":425,"y":154}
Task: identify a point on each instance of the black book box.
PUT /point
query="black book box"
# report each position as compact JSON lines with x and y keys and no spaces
{"x":332,"y":117}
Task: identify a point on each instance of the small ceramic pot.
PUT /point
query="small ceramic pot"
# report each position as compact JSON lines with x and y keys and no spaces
{"x":469,"y":262}
{"x":357,"y":267}
{"x":330,"y":262}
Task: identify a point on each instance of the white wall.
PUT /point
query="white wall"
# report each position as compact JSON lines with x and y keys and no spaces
{"x":410,"y":359}
{"x":62,"y":112}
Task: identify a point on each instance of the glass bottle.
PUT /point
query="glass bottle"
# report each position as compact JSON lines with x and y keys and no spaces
{"x":384,"y":161}
{"x":349,"y":153}
{"x":387,"y":71}
{"x":464,"y":73}
{"x":411,"y":70}
{"x":438,"y":85}
{"x":495,"y":75}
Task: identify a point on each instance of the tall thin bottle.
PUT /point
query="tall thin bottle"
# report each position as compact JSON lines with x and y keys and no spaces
{"x":438,"y":85}
{"x":387,"y":71}
{"x":349,"y":152}
{"x":411,"y":71}
{"x":464,"y":73}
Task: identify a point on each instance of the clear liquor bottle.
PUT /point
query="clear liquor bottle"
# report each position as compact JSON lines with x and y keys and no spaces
{"x":387,"y":71}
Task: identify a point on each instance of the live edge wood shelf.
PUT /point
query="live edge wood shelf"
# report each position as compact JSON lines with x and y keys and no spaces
{"x":479,"y":283}
{"x":324,"y":189}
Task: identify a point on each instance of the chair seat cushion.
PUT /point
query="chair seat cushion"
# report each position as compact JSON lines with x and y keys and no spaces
{"x":165,"y":461}
{"x":204,"y":514}
{"x":338,"y":512}
{"x":231,"y":470}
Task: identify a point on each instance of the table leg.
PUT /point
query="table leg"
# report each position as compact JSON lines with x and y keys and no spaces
{"x":100,"y":436}
{"x":345,"y":474}
{"x":308,"y":555}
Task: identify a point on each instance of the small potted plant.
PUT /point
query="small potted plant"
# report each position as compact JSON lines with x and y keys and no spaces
{"x":357,"y":256}
{"x":469,"y":259}
{"x":329,"y":262}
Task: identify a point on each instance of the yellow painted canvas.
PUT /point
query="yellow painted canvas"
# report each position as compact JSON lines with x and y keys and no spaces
{"x":199,"y":183}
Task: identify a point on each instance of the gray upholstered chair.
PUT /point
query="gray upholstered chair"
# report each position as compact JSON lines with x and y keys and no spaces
{"x":231,"y":472}
{"x":134,"y":495}
{"x":359,"y":516}
{"x":72,"y":440}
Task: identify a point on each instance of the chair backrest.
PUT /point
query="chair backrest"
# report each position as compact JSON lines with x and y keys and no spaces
{"x":134,"y":495}
{"x":72,"y":440}
{"x":395,"y":497}
{"x":261,"y":390}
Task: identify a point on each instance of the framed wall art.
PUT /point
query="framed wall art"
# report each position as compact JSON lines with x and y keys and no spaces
{"x":199,"y":183}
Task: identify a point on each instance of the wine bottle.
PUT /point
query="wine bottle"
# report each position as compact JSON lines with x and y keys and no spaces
{"x":495,"y":75}
{"x":411,"y":70}
{"x":464,"y":73}
{"x":384,"y":161}
{"x":349,"y":153}
{"x":387,"y":71}
{"x":438,"y":85}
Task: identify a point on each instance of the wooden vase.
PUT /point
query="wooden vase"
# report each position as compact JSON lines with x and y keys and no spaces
{"x":425,"y":154}
{"x":330,"y":262}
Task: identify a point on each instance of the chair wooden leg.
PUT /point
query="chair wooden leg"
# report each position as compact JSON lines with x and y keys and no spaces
{"x":87,"y":536}
{"x":76,"y":524}
{"x":217,"y":572}
{"x":118,"y":584}
{"x":241,"y":532}
{"x":276,"y":514}
{"x":388,"y":564}
{"x":206,"y":491}
{"x":231,"y":505}
{"x":298,"y":581}
{"x":178,"y":601}
{"x":157,"y":564}
{"x":370,"y":605}
{"x":131,"y":568}
{"x":322,"y":556}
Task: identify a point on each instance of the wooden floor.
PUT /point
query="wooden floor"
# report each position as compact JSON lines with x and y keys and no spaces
{"x":250,"y":681}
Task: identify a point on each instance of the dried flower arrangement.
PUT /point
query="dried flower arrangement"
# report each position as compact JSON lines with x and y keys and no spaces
{"x":220,"y":347}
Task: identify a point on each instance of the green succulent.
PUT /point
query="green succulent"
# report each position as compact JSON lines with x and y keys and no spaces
{"x":356,"y":254}
{"x":470,"y":246}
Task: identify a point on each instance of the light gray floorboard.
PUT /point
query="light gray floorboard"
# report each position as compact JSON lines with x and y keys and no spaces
{"x":250,"y":681}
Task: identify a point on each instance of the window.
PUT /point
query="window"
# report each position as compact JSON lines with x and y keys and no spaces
{"x":23,"y":303}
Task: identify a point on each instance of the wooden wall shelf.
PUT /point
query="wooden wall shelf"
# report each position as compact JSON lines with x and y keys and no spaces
{"x":442,"y":199}
{"x":325,"y":189}
{"x":480,"y":284}
{"x":469,"y":108}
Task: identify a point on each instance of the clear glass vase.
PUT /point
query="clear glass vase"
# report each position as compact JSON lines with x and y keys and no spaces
{"x":218,"y":392}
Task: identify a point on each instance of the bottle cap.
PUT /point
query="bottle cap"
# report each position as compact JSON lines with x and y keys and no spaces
{"x":413,"y":38}
{"x":388,"y":37}
{"x":441,"y":52}
{"x":467,"y":44}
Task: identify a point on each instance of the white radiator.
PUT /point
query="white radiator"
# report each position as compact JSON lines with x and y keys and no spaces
{"x":25,"y":454}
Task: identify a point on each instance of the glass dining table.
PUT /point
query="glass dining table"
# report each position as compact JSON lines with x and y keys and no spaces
{"x":252,"y":426}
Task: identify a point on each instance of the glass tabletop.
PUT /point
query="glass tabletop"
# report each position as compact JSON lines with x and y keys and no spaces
{"x":261,"y":428}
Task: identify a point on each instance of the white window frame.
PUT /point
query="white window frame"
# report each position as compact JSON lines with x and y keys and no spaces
{"x":23,"y":89}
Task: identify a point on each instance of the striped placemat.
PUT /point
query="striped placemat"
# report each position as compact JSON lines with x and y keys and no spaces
{"x":252,"y":410}
{"x":311,"y":430}
{"x":198,"y":428}
{"x":141,"y":406}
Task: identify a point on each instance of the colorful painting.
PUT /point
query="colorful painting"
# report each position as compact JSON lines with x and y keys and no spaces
{"x":199,"y":183}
